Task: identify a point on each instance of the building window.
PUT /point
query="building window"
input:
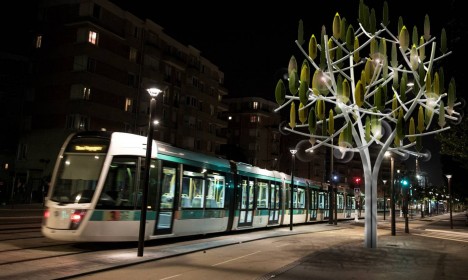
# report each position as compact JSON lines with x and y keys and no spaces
{"x":212,"y":128}
{"x":166,"y":97}
{"x":254,"y":119}
{"x":212,"y":110}
{"x":91,"y":65}
{"x":176,"y":97}
{"x":152,"y":62}
{"x":255,"y":105}
{"x":38,"y":41}
{"x":165,"y":115}
{"x":178,"y":78}
{"x":22,"y":151}
{"x":78,"y":122}
{"x":96,"y":11}
{"x":93,"y":37}
{"x":168,"y":73}
{"x":128,"y":104}
{"x":253,"y":147}
{"x":195,"y":82}
{"x":79,"y":91}
{"x":128,"y":128}
{"x":133,"y":54}
{"x":80,"y":63}
{"x":192,"y":102}
{"x":253,"y":132}
{"x":132,"y":80}
{"x":136,"y":32}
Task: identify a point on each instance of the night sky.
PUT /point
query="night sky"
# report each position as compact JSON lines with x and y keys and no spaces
{"x":253,"y":45}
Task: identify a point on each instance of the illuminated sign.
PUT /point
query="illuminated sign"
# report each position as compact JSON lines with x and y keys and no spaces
{"x":88,"y":145}
{"x":89,"y":148}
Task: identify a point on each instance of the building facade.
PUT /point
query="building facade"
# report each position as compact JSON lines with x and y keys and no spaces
{"x":92,"y":65}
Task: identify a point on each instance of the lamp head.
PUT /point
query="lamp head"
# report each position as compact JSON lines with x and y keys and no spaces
{"x":153,"y":92}
{"x":449,"y":176}
{"x":293,"y":151}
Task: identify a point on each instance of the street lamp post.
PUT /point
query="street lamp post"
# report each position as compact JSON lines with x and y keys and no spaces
{"x":335,"y":198}
{"x":449,"y":178}
{"x":384,"y":199}
{"x":392,"y":194}
{"x":291,"y":208}
{"x":153,"y":92}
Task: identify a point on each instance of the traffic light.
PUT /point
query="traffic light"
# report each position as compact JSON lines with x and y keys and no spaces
{"x":357,"y":180}
{"x":404,"y":182}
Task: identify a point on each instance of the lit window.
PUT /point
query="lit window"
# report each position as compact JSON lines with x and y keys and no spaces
{"x":38,"y":41}
{"x":79,"y":91}
{"x":128,"y":104}
{"x":93,"y":37}
{"x":255,"y":119}
{"x":255,"y":105}
{"x":86,"y":93}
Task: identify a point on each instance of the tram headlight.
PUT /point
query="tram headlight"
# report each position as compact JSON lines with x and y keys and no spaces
{"x":76,"y":218}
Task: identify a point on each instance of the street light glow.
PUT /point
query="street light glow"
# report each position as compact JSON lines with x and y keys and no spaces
{"x":154,"y":92}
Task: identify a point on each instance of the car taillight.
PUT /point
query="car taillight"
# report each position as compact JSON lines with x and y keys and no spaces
{"x":76,"y":218}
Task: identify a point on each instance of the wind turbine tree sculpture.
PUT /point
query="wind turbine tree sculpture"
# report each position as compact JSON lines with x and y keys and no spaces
{"x":369,"y":99}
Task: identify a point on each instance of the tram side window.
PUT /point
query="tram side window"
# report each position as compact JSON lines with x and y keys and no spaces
{"x":247,"y":186}
{"x":119,"y":187}
{"x":313,"y":200}
{"x":340,"y":201}
{"x":262,"y":199}
{"x":192,"y":190}
{"x":299,"y":198}
{"x":322,"y":201}
{"x":202,"y":189}
{"x":215,"y":192}
{"x":168,"y":187}
{"x":287,"y":196}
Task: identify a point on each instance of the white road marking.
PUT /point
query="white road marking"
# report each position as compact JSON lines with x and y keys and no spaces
{"x":236,"y":258}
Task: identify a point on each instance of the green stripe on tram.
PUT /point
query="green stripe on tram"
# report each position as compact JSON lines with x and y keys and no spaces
{"x":203,"y":214}
{"x":120,"y":215}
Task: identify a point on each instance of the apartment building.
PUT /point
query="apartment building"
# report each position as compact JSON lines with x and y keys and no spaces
{"x":92,"y":65}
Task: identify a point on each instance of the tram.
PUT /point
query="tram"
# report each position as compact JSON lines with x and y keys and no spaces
{"x":96,"y":190}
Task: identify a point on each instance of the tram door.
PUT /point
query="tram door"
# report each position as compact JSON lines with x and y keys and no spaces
{"x":247,"y":201}
{"x":313,"y":206}
{"x":274,"y":205}
{"x":167,"y":193}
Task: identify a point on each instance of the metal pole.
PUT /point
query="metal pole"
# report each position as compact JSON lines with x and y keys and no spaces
{"x":449,"y":177}
{"x":392,"y":196}
{"x":144,"y":202}
{"x":292,"y":190}
{"x":406,"y":208}
{"x":331,"y":196}
{"x":384,"y":199}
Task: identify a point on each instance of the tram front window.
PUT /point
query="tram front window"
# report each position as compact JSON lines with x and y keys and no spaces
{"x":77,"y":178}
